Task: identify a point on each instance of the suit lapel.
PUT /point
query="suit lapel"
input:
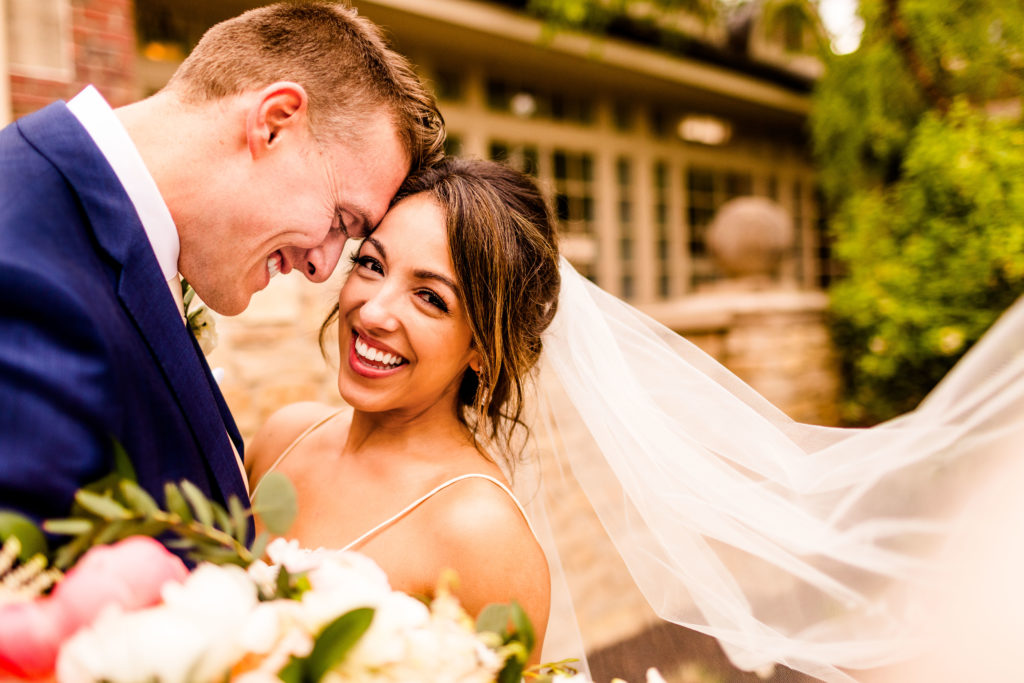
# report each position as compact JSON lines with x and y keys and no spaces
{"x":141,"y":287}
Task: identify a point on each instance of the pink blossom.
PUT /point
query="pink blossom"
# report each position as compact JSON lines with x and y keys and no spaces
{"x":129,"y":574}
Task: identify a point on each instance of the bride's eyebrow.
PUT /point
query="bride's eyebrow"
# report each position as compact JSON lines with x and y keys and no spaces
{"x":431,"y":275}
{"x":377,"y":245}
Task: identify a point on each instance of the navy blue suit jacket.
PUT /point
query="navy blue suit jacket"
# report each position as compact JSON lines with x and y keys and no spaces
{"x":91,"y":342}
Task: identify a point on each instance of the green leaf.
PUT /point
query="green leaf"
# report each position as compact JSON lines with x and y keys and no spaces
{"x":221,"y":518}
{"x":494,"y":618}
{"x":259,"y":545}
{"x":283,"y":582}
{"x":240,"y":520}
{"x":523,"y":628}
{"x":67,"y":554}
{"x":176,"y":502}
{"x":123,"y":467}
{"x":140,"y":501}
{"x":292,"y":671}
{"x":31,"y":538}
{"x":200,"y":505}
{"x":275,"y":503}
{"x":67,"y":527}
{"x":101,"y":506}
{"x":112,"y":532}
{"x":336,"y":640}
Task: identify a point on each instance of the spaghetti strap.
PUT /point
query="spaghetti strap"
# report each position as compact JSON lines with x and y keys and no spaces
{"x":292,"y":446}
{"x":422,"y":499}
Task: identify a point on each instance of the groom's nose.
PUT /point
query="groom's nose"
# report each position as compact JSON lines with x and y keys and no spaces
{"x":318,"y":263}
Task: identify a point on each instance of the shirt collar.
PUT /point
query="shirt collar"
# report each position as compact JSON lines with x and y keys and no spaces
{"x":117,"y":147}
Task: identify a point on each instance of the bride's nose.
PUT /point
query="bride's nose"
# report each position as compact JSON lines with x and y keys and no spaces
{"x":378,"y":311}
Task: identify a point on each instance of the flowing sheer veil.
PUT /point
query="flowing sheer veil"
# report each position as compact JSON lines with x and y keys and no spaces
{"x":808,"y":546}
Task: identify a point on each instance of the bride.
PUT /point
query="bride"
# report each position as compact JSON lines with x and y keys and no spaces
{"x":439,"y":324}
{"x":817,"y":548}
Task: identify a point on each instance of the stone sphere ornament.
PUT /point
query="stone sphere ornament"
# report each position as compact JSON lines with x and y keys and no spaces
{"x":749,"y":237}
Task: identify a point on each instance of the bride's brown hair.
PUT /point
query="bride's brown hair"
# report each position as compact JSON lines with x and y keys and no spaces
{"x":504,"y":251}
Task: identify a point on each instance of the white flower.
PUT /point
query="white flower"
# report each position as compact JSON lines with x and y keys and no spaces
{"x":192,"y":637}
{"x":202,"y":324}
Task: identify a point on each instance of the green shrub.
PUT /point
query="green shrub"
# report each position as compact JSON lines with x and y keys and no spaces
{"x":932,"y":259}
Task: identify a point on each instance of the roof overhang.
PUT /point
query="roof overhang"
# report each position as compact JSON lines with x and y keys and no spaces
{"x":509,"y":42}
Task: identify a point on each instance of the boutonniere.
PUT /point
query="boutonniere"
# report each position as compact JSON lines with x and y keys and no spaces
{"x":200,"y":321}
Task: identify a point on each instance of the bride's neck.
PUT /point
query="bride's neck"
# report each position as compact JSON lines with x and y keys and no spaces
{"x":430,"y":433}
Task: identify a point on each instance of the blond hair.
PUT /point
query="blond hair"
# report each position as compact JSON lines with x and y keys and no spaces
{"x":341,"y":59}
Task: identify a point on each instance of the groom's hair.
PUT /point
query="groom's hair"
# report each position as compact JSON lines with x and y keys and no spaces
{"x":341,"y":59}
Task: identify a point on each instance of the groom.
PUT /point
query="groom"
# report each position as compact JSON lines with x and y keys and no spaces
{"x":286,"y":130}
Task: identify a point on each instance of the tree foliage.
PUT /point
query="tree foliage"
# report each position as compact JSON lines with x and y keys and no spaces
{"x":927,"y":188}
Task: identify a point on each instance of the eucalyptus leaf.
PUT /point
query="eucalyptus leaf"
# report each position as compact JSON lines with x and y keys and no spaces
{"x":176,"y":502}
{"x":72,"y":526}
{"x":112,"y":532}
{"x":239,"y":519}
{"x":221,"y":518}
{"x":102,"y":506}
{"x":31,"y":538}
{"x":276,"y":503}
{"x":293,"y":671}
{"x":140,"y":501}
{"x":216,"y":555}
{"x":523,"y":628}
{"x":123,"y":467}
{"x":200,"y":504}
{"x":67,"y":554}
{"x":494,"y":618}
{"x":335,"y":641}
{"x":259,"y":545}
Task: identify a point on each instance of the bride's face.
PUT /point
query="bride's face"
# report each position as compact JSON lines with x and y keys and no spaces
{"x":404,"y":337}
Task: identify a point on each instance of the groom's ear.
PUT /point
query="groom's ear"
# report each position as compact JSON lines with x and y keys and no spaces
{"x":279,"y":109}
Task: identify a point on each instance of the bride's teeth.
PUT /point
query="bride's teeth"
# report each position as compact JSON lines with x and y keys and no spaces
{"x":376,"y":355}
{"x":272,"y":266}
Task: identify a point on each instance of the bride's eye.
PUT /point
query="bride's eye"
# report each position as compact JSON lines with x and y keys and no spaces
{"x":433,"y":299}
{"x":368,"y":262}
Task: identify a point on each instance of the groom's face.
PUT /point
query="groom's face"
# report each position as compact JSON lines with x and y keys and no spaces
{"x":293,"y":207}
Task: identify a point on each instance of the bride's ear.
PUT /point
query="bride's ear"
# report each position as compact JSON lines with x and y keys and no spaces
{"x":474,"y":362}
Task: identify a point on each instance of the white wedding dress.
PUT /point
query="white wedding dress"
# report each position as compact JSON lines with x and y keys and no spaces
{"x":817,"y":548}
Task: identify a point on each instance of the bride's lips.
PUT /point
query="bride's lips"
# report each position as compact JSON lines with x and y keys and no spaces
{"x":383,"y":362}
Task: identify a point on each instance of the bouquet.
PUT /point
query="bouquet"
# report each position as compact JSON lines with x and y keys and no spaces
{"x":114,"y":604}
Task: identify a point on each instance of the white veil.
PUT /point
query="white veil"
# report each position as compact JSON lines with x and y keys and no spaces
{"x":808,"y":546}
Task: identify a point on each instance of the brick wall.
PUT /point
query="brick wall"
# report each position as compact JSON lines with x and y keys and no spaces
{"x":102,"y":44}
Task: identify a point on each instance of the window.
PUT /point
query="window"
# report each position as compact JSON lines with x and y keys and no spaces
{"x":40,"y":44}
{"x":448,"y":85}
{"x":529,"y":102}
{"x":627,"y":232}
{"x":520,"y":157}
{"x":661,"y":230}
{"x":574,"y":208}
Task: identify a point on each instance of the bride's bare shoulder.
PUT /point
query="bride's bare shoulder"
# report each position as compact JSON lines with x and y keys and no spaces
{"x":280,"y":430}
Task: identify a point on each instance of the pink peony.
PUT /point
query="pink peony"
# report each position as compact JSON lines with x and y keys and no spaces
{"x":129,"y":574}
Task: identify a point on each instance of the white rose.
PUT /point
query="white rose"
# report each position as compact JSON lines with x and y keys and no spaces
{"x":204,"y":327}
{"x":130,"y":647}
